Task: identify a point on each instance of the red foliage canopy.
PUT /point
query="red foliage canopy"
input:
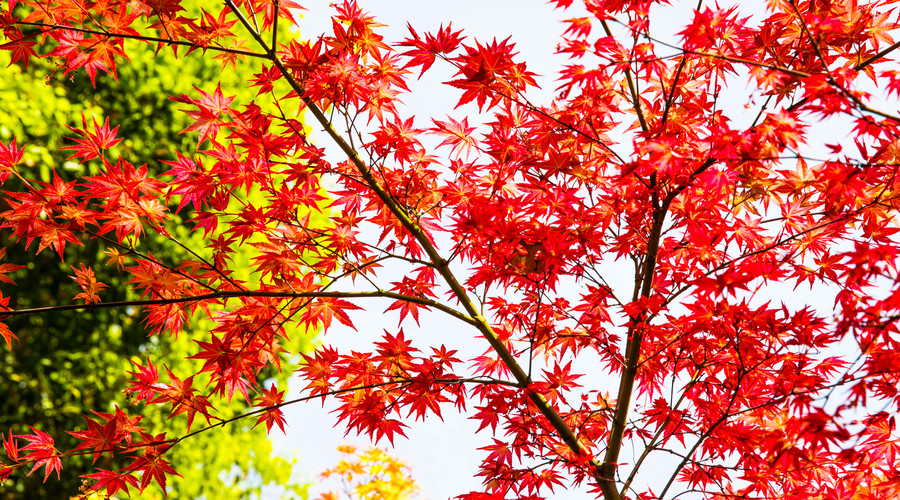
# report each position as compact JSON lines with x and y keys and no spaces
{"x":515,"y":223}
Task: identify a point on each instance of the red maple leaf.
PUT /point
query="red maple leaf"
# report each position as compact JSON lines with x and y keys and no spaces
{"x":153,"y":468}
{"x":112,"y":481}
{"x":100,"y":438}
{"x":322,"y":310}
{"x":209,"y":116}
{"x":93,"y":143}
{"x":268,"y":399}
{"x":41,"y":453}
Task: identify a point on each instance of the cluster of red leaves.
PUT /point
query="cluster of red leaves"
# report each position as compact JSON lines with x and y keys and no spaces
{"x":512,"y":225}
{"x":116,"y":434}
{"x":389,"y":381}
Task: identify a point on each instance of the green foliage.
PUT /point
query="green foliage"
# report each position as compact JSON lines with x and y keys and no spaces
{"x":61,"y":366}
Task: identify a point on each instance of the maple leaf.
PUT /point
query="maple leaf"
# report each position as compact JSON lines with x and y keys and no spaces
{"x":122,"y":183}
{"x":101,"y":438}
{"x":93,"y":143}
{"x":53,"y":236}
{"x":271,"y":397}
{"x":323,"y":309}
{"x":11,"y":447}
{"x":7,"y":268}
{"x":10,"y":156}
{"x":372,"y":472}
{"x":674,"y":421}
{"x":41,"y":453}
{"x":211,"y":29}
{"x":152,"y":467}
{"x":457,"y":135}
{"x":88,"y":283}
{"x":95,"y":52}
{"x":266,"y":79}
{"x":184,"y":398}
{"x":424,"y":52}
{"x":22,"y":48}
{"x":488,"y":73}
{"x":112,"y":481}
{"x":207,"y":118}
{"x":5,"y":332}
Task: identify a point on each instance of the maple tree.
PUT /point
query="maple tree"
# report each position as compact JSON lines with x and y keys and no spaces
{"x":515,"y":225}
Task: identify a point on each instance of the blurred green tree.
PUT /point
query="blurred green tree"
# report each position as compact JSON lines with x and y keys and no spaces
{"x":58,"y":367}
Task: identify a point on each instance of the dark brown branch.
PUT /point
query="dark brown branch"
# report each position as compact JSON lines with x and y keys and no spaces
{"x":632,"y":357}
{"x":234,"y":294}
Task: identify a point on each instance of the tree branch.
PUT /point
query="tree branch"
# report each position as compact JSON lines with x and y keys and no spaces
{"x":167,"y":41}
{"x":234,"y":294}
{"x":440,"y":264}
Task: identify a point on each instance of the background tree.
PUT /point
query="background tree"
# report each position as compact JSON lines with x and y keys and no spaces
{"x":514,"y":225}
{"x":370,"y":474}
{"x":61,"y":369}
